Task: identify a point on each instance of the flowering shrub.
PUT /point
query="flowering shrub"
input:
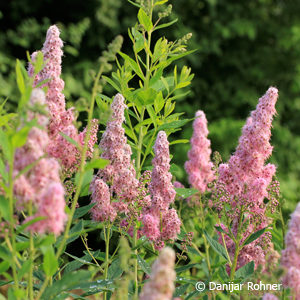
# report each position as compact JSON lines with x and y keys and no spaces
{"x":57,"y":185}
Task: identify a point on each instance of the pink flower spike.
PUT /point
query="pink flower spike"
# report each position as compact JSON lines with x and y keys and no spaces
{"x":161,"y":282}
{"x":290,"y":259}
{"x":161,"y":187}
{"x":61,"y":120}
{"x":244,"y":181}
{"x":41,"y":184}
{"x":199,"y":167}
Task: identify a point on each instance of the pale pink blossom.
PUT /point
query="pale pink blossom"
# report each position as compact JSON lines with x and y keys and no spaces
{"x":61,"y":120}
{"x":290,"y":259}
{"x":243,"y":181}
{"x":40,"y":185}
{"x":178,"y":184}
{"x":120,"y":174}
{"x":161,"y":187}
{"x":161,"y":283}
{"x":151,"y":226}
{"x":164,"y":220}
{"x":199,"y":166}
{"x":269,"y":296}
{"x":103,"y":210}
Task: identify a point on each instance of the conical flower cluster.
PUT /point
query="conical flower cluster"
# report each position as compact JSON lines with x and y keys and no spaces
{"x":160,"y":222}
{"x":161,"y":283}
{"x":244,"y":180}
{"x":117,"y":180}
{"x":40,"y":185}
{"x":61,"y":120}
{"x":199,"y":167}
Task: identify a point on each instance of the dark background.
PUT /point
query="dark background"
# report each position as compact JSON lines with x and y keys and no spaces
{"x":243,"y":48}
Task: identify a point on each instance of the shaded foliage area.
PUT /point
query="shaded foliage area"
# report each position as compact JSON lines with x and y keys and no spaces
{"x":242,"y":49}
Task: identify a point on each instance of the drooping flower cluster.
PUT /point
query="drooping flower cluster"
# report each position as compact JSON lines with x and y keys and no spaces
{"x":290,"y":259}
{"x":243,"y":181}
{"x":41,"y":184}
{"x":117,"y":180}
{"x":161,"y":283}
{"x":199,"y":167}
{"x":160,"y":222}
{"x":61,"y":120}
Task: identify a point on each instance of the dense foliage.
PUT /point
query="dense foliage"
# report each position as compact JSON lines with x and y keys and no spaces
{"x":242,"y":49}
{"x":108,"y":161}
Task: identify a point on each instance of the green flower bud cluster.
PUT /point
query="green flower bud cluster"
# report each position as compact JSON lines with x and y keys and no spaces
{"x":165,"y":13}
{"x":110,"y":54}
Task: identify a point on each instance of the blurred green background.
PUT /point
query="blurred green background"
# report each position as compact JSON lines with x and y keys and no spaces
{"x":243,"y":48}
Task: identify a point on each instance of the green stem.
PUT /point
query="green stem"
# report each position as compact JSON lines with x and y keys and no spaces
{"x":106,"y":237}
{"x":89,"y":252}
{"x":204,"y":238}
{"x":238,"y":248}
{"x":81,"y":176}
{"x":140,"y":146}
{"x":135,"y":263}
{"x":31,"y":259}
{"x":234,"y":264}
{"x":283,"y":227}
{"x":12,"y":220}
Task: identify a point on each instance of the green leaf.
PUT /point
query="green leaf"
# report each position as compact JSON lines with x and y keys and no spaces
{"x":87,"y":178}
{"x":185,"y":192}
{"x":144,"y":265}
{"x":70,"y":140}
{"x":4,"y":266}
{"x":254,"y":236}
{"x":160,"y":2}
{"x":78,"y":262}
{"x":218,"y":248}
{"x":39,"y":62}
{"x":4,"y":208}
{"x":180,"y":290}
{"x":24,"y":269}
{"x":76,"y":231}
{"x":81,"y":211}
{"x":115,"y":271}
{"x":45,"y":241}
{"x":165,"y":25}
{"x":245,"y":271}
{"x":5,"y":254}
{"x":133,"y":65}
{"x":50,"y":263}
{"x":152,"y":114}
{"x":133,"y":3}
{"x":20,"y":78}
{"x":95,"y":287}
{"x":145,"y":20}
{"x":66,"y":283}
{"x":178,"y":56}
{"x":99,"y":163}
{"x":5,"y":144}
{"x":174,"y":124}
{"x":6,"y":118}
{"x":187,"y":267}
{"x":183,"y":141}
{"x":219,"y":228}
{"x":20,"y":137}
{"x":146,"y":97}
{"x":112,"y":83}
{"x":138,"y":40}
{"x":159,"y":102}
{"x":28,"y":223}
{"x":20,"y":246}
